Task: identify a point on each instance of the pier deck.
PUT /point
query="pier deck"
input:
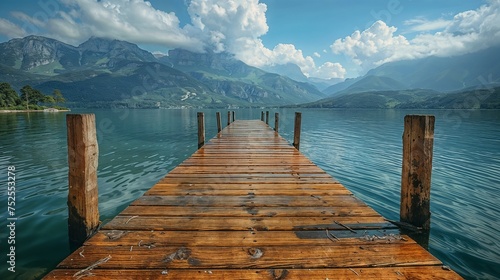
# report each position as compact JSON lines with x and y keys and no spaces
{"x":248,"y":205}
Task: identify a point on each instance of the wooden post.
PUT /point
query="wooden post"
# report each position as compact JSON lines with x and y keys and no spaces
{"x":262,"y":115}
{"x":219,"y":122}
{"x":267,"y":117}
{"x":228,"y":117}
{"x":276,"y":121}
{"x":201,"y":129}
{"x":296,"y":130}
{"x":418,"y":140}
{"x":83,"y":153}
{"x":233,"y":116}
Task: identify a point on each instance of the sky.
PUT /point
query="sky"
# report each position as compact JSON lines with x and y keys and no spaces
{"x":325,"y":38}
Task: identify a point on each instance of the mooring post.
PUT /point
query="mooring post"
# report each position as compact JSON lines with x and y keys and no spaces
{"x":201,"y":129}
{"x":219,"y":122}
{"x":276,"y":121}
{"x":296,"y":130}
{"x":262,"y":115}
{"x":267,"y":117}
{"x":83,"y":153}
{"x":418,"y":140}
{"x":228,"y":117}
{"x":233,"y":116}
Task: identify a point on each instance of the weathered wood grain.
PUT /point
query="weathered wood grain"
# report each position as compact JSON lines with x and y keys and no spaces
{"x":245,"y":238}
{"x":386,"y":273}
{"x":310,"y":256}
{"x":247,"y":205}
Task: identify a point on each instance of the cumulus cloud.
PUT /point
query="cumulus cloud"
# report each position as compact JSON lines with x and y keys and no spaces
{"x":372,"y":46}
{"x":236,"y":26}
{"x":224,"y":22}
{"x":329,"y":70}
{"x":467,"y":32}
{"x":233,"y":26}
{"x":136,"y":21}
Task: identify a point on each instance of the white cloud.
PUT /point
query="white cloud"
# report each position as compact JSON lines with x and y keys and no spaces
{"x":253,"y":52}
{"x":329,"y":70}
{"x":422,"y":24}
{"x":467,"y":32}
{"x":223,"y":22}
{"x":372,"y":46}
{"x":316,"y":54}
{"x":10,"y":29}
{"x":235,"y":26}
{"x":136,"y":21}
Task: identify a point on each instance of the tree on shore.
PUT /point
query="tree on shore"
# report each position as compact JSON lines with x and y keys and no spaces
{"x":29,"y":99}
{"x":58,"y":97}
{"x":31,"y":96}
{"x":8,"y":96}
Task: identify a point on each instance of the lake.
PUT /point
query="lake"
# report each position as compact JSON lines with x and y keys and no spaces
{"x":360,"y":148}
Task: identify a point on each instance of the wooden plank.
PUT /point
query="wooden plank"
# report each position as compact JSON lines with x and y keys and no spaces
{"x":208,"y":161}
{"x":244,"y":238}
{"x":231,"y":211}
{"x":346,"y":255}
{"x":122,"y":222}
{"x":248,"y":189}
{"x":250,"y":200}
{"x":387,"y":273}
{"x":227,"y":169}
{"x":263,"y":177}
{"x":249,"y":206}
{"x":247,"y":180}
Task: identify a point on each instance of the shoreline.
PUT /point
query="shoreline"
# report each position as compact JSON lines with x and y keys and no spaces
{"x":34,"y":111}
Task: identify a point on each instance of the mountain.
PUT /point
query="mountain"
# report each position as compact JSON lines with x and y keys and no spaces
{"x":370,"y":84}
{"x":132,"y":84}
{"x":105,"y":53}
{"x":331,"y":90}
{"x":432,"y":82}
{"x":379,"y":99}
{"x":294,"y":72}
{"x":444,"y":74}
{"x":290,"y":70}
{"x":45,"y":56}
{"x":36,"y":54}
{"x":472,"y":98}
{"x":323,"y":84}
{"x":106,"y":73}
{"x":225,"y":75}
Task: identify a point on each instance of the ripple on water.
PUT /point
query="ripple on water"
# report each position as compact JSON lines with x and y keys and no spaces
{"x":361,"y":148}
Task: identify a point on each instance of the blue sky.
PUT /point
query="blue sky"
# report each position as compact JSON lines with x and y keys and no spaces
{"x":325,"y":38}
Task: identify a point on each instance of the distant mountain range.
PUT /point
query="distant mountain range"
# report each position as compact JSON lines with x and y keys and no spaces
{"x":443,"y":74}
{"x":432,"y":82}
{"x":112,"y":73}
{"x":103,"y":73}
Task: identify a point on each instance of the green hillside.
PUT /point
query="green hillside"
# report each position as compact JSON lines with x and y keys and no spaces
{"x":109,"y":73}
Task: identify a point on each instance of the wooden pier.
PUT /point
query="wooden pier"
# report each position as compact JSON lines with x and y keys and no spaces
{"x":248,"y":205}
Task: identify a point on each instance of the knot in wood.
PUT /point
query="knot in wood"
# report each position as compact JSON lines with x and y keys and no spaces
{"x":255,"y":253}
{"x":181,"y":254}
{"x":115,"y":234}
{"x":279,"y":274}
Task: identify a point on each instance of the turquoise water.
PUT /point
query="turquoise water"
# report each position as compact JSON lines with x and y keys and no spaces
{"x":361,"y":148}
